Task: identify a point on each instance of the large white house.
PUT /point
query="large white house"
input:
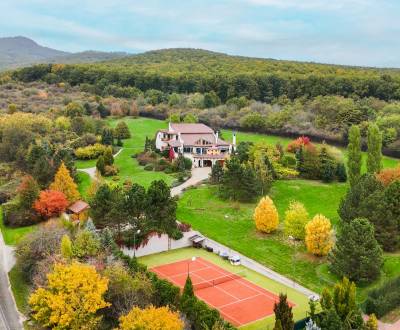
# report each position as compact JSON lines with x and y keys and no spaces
{"x":197,"y":142}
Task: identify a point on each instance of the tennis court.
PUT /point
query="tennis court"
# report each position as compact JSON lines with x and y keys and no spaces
{"x":238,"y":300}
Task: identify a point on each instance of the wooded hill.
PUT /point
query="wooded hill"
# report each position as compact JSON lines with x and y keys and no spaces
{"x":192,"y":70}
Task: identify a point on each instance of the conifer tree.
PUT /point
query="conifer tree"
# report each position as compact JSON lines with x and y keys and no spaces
{"x":107,"y":136}
{"x":357,"y":255}
{"x":374,"y":154}
{"x":283,"y":313}
{"x":28,"y":192}
{"x":108,"y":157}
{"x":66,"y":247}
{"x":216,"y":173}
{"x":341,"y":172}
{"x":354,"y":155}
{"x":327,"y":165}
{"x":65,"y":184}
{"x":121,"y":131}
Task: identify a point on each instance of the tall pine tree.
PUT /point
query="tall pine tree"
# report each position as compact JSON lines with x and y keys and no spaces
{"x":357,"y":255}
{"x":354,"y":155}
{"x":374,"y":155}
{"x":283,"y":313}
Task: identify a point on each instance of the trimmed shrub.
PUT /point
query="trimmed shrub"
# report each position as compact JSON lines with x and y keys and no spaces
{"x":90,"y":152}
{"x":383,"y":299}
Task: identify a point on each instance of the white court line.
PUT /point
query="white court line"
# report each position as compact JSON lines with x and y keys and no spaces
{"x":265,"y":292}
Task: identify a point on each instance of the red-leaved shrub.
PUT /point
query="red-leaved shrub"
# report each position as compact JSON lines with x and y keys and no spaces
{"x":51,"y":203}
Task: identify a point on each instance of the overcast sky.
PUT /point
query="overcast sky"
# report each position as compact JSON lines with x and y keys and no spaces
{"x":356,"y":32}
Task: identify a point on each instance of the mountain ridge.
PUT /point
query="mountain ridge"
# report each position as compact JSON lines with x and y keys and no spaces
{"x":20,"y":51}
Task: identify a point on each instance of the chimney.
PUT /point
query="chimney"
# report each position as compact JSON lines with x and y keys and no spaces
{"x":234,"y":139}
{"x":216,"y":137}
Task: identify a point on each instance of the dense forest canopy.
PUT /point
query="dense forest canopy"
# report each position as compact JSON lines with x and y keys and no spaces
{"x":190,"y":71}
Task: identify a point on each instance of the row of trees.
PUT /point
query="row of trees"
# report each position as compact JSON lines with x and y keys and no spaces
{"x":369,"y":213}
{"x":316,"y":232}
{"x":133,"y":208}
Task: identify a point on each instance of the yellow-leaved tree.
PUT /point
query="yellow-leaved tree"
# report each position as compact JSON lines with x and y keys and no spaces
{"x":150,"y":318}
{"x":65,"y":184}
{"x":296,"y":218}
{"x":319,"y":235}
{"x":372,"y":323}
{"x":266,"y":216}
{"x":73,"y":295}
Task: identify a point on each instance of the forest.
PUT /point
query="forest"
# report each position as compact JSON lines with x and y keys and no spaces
{"x":190,"y":71}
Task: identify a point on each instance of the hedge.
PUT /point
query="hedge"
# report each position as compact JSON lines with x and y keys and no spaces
{"x":384,"y":299}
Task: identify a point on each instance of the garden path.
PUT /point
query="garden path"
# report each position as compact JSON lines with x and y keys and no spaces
{"x":198,"y":174}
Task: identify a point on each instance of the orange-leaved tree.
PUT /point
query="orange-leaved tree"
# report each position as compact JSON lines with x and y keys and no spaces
{"x":71,"y":299}
{"x":51,"y":203}
{"x":266,"y":216}
{"x":63,"y":182}
{"x":319,"y":235}
{"x":388,"y":175}
{"x":150,"y":318}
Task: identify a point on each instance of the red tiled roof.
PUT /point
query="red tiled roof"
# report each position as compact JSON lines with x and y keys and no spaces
{"x":78,"y":207}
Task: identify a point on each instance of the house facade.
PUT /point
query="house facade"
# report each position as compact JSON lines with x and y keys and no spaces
{"x":198,"y":142}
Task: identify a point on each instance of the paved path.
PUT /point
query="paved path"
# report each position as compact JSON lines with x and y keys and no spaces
{"x":9,"y":315}
{"x":198,"y":174}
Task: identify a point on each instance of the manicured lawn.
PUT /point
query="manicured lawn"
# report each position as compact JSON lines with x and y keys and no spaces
{"x":232,"y":224}
{"x":128,"y":166}
{"x":13,"y":235}
{"x":83,"y":184}
{"x":316,"y":196}
{"x":176,"y":255}
{"x":20,"y":289}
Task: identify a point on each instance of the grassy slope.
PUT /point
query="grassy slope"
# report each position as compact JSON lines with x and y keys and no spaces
{"x":13,"y":235}
{"x":203,"y":209}
{"x":208,"y":212}
{"x":20,"y":289}
{"x":275,"y":287}
{"x":128,"y":166}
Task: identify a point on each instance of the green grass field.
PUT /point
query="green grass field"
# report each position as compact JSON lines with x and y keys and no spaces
{"x":232,"y":224}
{"x":20,"y":289}
{"x":128,"y":166}
{"x":13,"y":235}
{"x":299,"y":299}
{"x":83,"y":184}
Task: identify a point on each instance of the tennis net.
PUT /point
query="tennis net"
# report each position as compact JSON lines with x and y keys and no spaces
{"x":218,"y":280}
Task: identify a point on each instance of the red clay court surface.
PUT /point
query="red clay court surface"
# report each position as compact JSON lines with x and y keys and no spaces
{"x":238,"y":300}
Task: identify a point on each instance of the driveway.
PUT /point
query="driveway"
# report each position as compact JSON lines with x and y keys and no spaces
{"x":9,"y":316}
{"x":198,"y":174}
